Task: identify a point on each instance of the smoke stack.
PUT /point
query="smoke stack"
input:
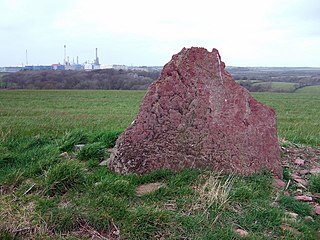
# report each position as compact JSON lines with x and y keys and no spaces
{"x":97,"y":59}
{"x":26,"y":57}
{"x":65,"y":55}
{"x":77,"y":59}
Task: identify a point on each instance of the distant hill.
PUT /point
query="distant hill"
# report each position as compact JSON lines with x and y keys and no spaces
{"x":300,"y":75}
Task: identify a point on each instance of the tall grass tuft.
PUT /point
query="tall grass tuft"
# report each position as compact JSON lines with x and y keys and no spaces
{"x":14,"y":179}
{"x":291,"y":204}
{"x":64,"y":176}
{"x":315,"y":183}
{"x":72,"y":138}
{"x":93,"y":151}
{"x":108,"y":138}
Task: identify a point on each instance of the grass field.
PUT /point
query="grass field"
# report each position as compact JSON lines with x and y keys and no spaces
{"x":279,"y":86}
{"x":310,"y":89}
{"x":46,"y":195}
{"x":297,"y":114}
{"x":55,"y":112}
{"x":251,"y":81}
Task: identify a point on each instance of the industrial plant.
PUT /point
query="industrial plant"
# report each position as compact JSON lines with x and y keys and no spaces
{"x":67,"y":65}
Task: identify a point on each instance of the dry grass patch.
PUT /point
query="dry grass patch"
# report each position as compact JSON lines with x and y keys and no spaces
{"x":213,"y":191}
{"x":18,"y":218}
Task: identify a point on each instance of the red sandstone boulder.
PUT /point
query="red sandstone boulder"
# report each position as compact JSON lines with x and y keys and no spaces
{"x":196,"y":116}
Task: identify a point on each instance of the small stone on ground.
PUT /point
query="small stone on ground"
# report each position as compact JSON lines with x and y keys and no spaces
{"x":303,"y":198}
{"x":278,"y":183}
{"x":78,"y":147}
{"x":299,"y":161}
{"x":104,"y":163}
{"x":148,"y":188}
{"x":242,"y":232}
{"x":315,"y":171}
{"x":287,"y":227}
{"x":64,"y":155}
{"x":317,"y":209}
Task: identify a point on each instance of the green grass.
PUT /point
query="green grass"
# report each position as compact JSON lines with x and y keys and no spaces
{"x":310,"y":89}
{"x":251,"y":81}
{"x":44,"y":195}
{"x":315,"y":183}
{"x":273,"y":86}
{"x":55,"y":112}
{"x":283,"y":85}
{"x":279,"y":86}
{"x":297,"y":114}
{"x":63,"y":177}
{"x":301,"y":208}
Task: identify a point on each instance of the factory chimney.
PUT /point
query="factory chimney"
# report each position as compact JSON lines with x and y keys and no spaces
{"x":97,"y":59}
{"x":26,"y":57}
{"x":65,"y":55}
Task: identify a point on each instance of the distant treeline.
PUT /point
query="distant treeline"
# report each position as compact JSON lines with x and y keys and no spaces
{"x":140,"y":80}
{"x":98,"y":79}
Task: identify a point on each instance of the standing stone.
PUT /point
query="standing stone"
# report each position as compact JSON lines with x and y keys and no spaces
{"x":196,"y":116}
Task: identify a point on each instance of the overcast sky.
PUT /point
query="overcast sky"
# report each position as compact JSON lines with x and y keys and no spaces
{"x":246,"y":32}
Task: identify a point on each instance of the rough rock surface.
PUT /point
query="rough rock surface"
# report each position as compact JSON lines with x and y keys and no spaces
{"x":196,"y":116}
